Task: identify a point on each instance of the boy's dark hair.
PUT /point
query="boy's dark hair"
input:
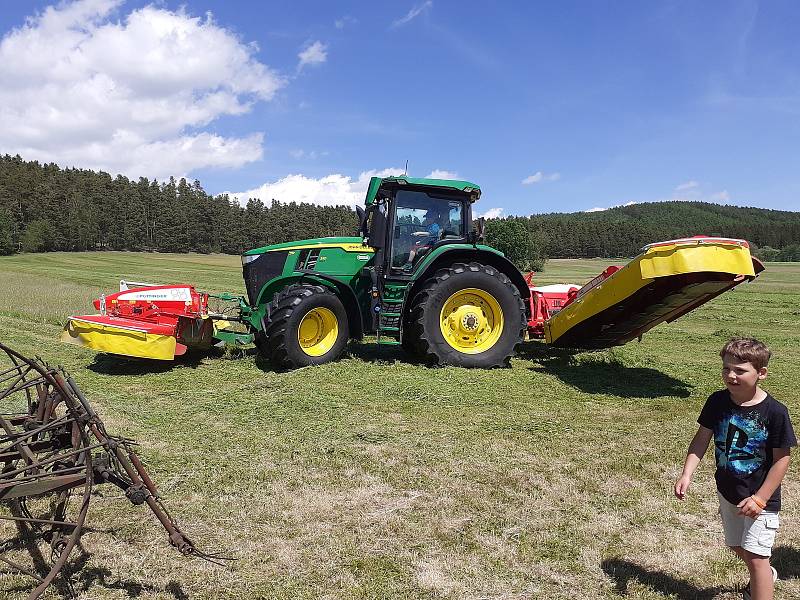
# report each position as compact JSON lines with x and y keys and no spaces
{"x":747,"y":350}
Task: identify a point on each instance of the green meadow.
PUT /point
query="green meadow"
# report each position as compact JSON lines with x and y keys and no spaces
{"x":374,"y":477}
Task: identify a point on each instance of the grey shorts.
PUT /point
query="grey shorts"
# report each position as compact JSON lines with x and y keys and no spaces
{"x":754,"y":535}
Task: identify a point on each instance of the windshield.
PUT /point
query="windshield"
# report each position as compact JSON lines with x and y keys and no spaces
{"x":421,"y":220}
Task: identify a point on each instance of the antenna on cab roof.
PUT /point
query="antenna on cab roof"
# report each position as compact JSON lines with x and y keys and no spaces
{"x":405,"y":173}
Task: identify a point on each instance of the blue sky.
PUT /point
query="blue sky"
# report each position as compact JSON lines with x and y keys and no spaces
{"x":548,"y":106}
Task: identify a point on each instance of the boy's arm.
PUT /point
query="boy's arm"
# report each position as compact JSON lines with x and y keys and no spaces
{"x":780,"y":464}
{"x":697,"y":449}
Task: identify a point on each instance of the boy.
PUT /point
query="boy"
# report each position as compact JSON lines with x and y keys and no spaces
{"x":752,"y":436}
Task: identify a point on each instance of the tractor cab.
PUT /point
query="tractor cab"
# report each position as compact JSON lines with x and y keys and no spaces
{"x":436,"y":289}
{"x":407,"y":218}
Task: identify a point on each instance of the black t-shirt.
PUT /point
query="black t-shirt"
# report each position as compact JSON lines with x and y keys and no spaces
{"x":744,"y":437}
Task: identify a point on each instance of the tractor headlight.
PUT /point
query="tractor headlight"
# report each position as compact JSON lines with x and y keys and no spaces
{"x":248,"y":258}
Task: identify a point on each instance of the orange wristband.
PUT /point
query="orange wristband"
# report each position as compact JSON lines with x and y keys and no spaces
{"x":758,"y":501}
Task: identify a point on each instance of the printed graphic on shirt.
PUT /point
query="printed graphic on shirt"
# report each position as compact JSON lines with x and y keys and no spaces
{"x":740,"y":442}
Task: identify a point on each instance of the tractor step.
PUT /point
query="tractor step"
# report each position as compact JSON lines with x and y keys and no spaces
{"x":391,"y":342}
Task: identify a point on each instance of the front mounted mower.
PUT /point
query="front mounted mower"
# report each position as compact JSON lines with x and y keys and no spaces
{"x":159,"y":322}
{"x":417,"y":275}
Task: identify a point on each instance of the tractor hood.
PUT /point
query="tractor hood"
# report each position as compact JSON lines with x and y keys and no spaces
{"x":348,"y":243}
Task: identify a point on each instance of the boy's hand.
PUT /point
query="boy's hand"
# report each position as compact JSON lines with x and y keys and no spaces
{"x":696,"y":451}
{"x":682,"y":486}
{"x":749,"y":508}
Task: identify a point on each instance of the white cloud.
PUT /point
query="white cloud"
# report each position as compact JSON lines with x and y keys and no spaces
{"x":492,"y":213}
{"x":314,"y":54}
{"x":600,"y":209}
{"x":539,"y":176}
{"x":331,"y":190}
{"x":313,"y":154}
{"x":535,"y":178}
{"x":344,"y":22}
{"x":689,"y":185}
{"x":692,"y":191}
{"x":81,"y":88}
{"x":722,"y":196}
{"x":413,"y":13}
{"x":440,"y":174}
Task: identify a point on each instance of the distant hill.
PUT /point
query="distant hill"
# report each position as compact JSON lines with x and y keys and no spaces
{"x":622,"y":231}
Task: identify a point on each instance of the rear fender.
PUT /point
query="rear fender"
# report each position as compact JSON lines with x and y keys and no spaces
{"x":442,"y":258}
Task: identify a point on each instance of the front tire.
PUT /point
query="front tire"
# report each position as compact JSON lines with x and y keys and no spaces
{"x":468,"y":315}
{"x":308,"y":326}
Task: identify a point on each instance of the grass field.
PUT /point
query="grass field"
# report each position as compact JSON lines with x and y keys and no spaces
{"x":376,"y":478}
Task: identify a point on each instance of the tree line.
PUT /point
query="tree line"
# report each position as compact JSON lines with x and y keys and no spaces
{"x":46,"y":208}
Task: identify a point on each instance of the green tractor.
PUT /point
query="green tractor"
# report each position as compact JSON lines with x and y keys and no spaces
{"x":416,"y":276}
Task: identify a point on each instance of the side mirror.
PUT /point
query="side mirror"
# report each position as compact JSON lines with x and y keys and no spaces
{"x":377,"y":231}
{"x":479,"y":230}
{"x":362,"y":221}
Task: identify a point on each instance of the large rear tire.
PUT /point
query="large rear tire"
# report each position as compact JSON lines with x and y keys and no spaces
{"x":308,"y":326}
{"x":468,"y":315}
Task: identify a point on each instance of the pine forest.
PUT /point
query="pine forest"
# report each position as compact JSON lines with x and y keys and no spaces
{"x":46,"y":208}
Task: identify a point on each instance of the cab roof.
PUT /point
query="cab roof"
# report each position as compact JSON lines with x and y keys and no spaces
{"x":446,"y":184}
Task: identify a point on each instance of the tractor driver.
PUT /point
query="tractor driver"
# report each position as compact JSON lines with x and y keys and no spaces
{"x":427,"y":237}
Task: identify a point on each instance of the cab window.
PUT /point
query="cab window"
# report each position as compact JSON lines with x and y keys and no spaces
{"x":422,"y":220}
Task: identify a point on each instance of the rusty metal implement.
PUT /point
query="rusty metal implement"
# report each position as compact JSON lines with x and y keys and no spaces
{"x":53,"y":450}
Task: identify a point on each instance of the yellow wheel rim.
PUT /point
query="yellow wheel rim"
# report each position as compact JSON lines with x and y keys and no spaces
{"x":318,"y":331}
{"x":471,"y":321}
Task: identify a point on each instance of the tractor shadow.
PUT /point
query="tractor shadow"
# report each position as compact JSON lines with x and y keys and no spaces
{"x":114,"y":364}
{"x":265,"y":366}
{"x":624,"y":572}
{"x":368,"y":352}
{"x":602,"y":373}
{"x":372,"y":352}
